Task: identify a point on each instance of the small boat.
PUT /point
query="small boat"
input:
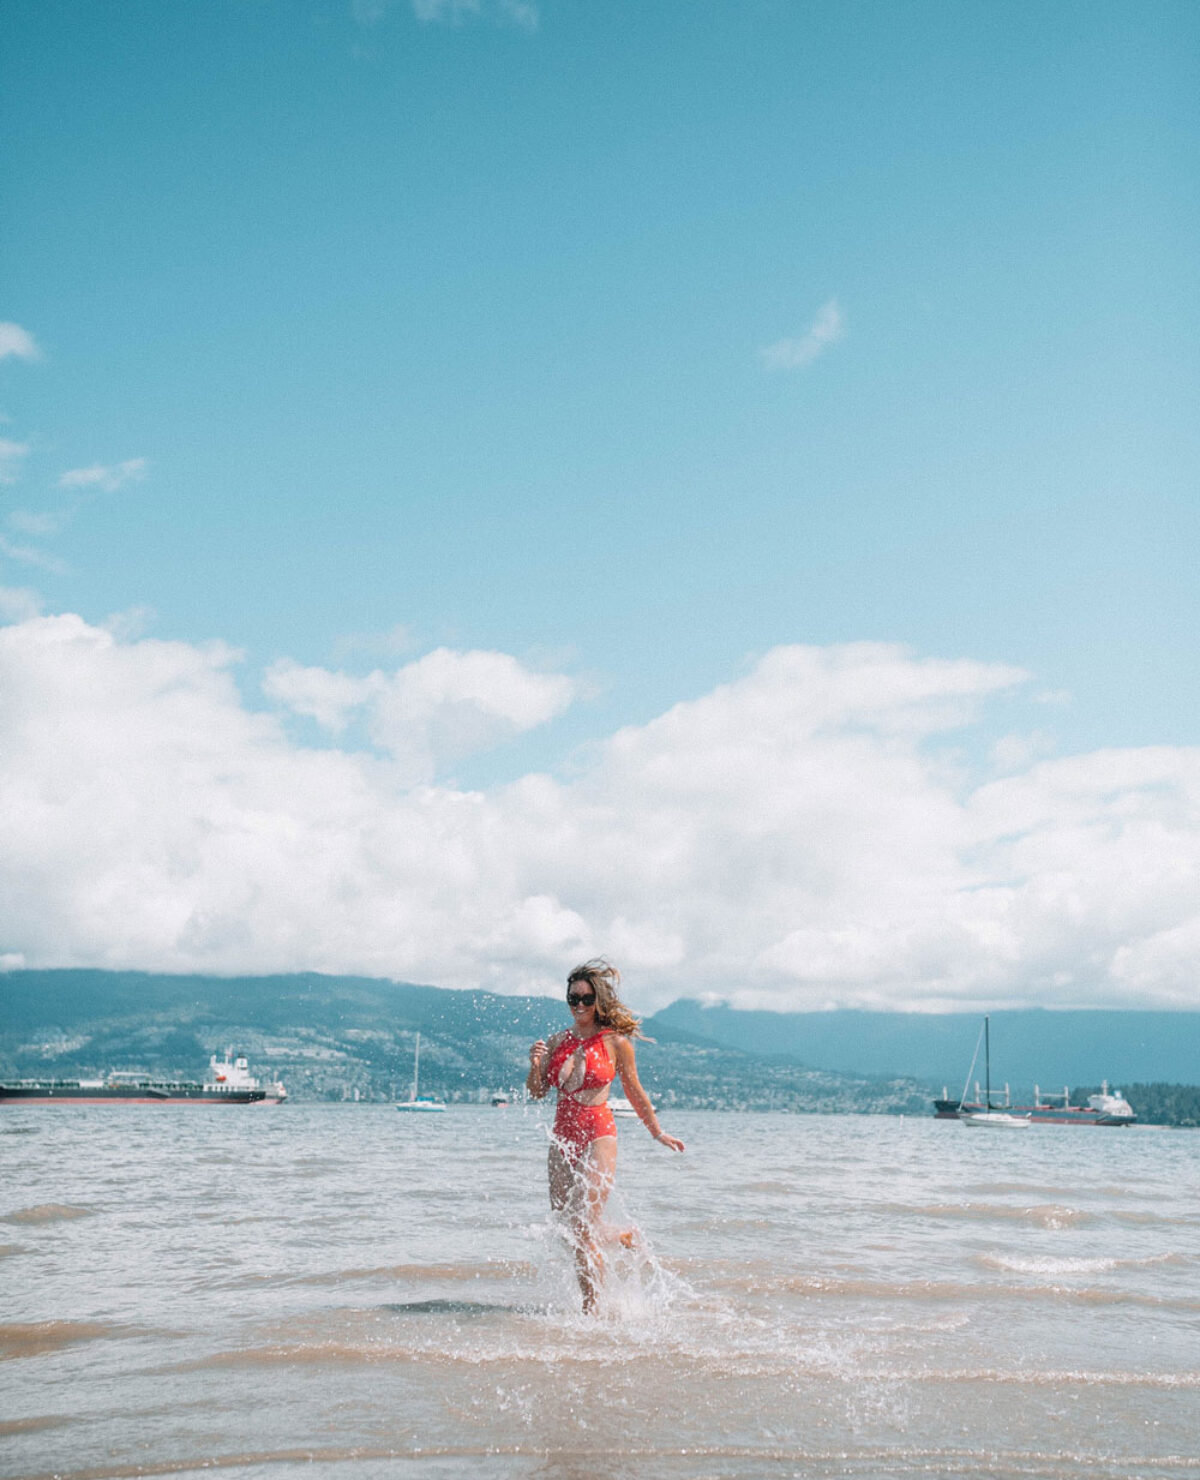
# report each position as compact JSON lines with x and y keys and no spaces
{"x":1001,"y":1120}
{"x":621,"y":1107}
{"x":499,"y":1101}
{"x":415,"y":1102}
{"x":987,"y":1115}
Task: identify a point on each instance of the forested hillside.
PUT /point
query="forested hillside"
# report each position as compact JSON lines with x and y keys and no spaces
{"x":334,"y":1037}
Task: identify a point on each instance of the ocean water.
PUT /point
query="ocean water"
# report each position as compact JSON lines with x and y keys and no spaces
{"x":343,"y":1290}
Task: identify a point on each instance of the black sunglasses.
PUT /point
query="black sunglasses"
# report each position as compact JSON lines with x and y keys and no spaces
{"x":580,"y":999}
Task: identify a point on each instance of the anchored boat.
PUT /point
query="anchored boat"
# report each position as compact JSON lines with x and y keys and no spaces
{"x":415,"y":1101}
{"x":229,"y":1083}
{"x":988,"y":1115}
{"x":1105,"y":1109}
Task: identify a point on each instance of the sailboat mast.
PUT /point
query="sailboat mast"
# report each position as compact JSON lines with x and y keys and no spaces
{"x":987,"y":1061}
{"x":416,"y":1067}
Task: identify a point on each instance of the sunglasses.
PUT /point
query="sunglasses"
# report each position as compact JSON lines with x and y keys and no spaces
{"x":580,"y":999}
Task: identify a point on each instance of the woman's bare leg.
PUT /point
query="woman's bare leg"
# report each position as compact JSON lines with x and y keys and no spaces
{"x":579,"y":1190}
{"x":597,"y":1169}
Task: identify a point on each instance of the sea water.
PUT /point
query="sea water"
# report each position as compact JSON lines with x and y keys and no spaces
{"x":344,"y":1290}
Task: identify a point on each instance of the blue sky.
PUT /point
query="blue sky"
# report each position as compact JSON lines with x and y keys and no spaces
{"x":633,"y":340}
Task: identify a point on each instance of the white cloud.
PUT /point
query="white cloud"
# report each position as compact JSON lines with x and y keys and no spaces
{"x":439,"y":708}
{"x":108,"y":478}
{"x":794,"y":354}
{"x":332,"y":699}
{"x":1015,"y":752}
{"x":129,"y":623}
{"x":11,"y":455}
{"x":18,"y":342}
{"x":798,"y":836}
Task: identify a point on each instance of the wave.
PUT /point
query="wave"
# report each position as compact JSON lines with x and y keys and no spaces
{"x":500,"y":1269}
{"x":46,"y":1213}
{"x":940,"y":1290}
{"x":667,"y":1461}
{"x":1047,"y":1264}
{"x":460,"y":1308}
{"x":1052,"y":1215}
{"x":1041,"y":1215}
{"x":1135,"y":1219}
{"x":13,"y":1426}
{"x":366,"y":1274}
{"x":1064,"y":1377}
{"x":1036,"y":1189}
{"x":32,"y":1338}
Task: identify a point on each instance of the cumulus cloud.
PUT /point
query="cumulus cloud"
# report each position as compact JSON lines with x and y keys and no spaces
{"x":800,"y":836}
{"x":439,"y":708}
{"x":794,"y":354}
{"x":107,"y":478}
{"x":17,"y":342}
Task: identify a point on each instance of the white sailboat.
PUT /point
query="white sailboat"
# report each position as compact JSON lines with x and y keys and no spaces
{"x":985,"y":1115}
{"x":414,"y":1101}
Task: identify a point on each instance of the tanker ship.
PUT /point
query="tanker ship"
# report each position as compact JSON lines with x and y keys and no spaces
{"x":229,"y":1082}
{"x":1050,"y":1109}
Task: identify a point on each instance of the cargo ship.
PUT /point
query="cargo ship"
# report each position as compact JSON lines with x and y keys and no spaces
{"x":229,"y":1083}
{"x":1051,"y":1109}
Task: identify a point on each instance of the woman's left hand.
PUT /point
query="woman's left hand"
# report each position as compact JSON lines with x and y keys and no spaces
{"x":672,"y":1141}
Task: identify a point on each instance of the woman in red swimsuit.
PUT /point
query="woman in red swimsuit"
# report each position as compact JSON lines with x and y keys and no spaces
{"x":581,"y":1064}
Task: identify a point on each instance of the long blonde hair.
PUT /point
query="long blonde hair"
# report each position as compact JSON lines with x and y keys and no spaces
{"x":604,"y":979}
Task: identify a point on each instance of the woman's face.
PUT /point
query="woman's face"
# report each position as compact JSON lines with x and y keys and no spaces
{"x":581,"y":999}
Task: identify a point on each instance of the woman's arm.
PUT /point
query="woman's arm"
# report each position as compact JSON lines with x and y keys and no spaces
{"x":636,"y":1095}
{"x":539,"y":1056}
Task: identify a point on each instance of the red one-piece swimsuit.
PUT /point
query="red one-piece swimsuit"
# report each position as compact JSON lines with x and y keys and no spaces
{"x":576,"y":1066}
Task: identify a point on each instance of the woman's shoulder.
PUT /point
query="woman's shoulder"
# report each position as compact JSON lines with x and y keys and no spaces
{"x":555,"y":1039}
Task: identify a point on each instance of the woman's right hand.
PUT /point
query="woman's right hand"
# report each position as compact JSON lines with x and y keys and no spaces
{"x":537,"y":1054}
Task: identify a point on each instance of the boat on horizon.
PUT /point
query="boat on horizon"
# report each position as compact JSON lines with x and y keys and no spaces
{"x":229,"y":1083}
{"x":415,"y":1102}
{"x":987,"y":1115}
{"x":233,"y":1074}
{"x":1051,"y":1108}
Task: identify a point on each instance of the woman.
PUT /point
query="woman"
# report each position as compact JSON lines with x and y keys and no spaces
{"x":581,"y":1063}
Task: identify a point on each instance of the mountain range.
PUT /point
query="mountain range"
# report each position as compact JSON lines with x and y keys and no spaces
{"x":337,"y":1036}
